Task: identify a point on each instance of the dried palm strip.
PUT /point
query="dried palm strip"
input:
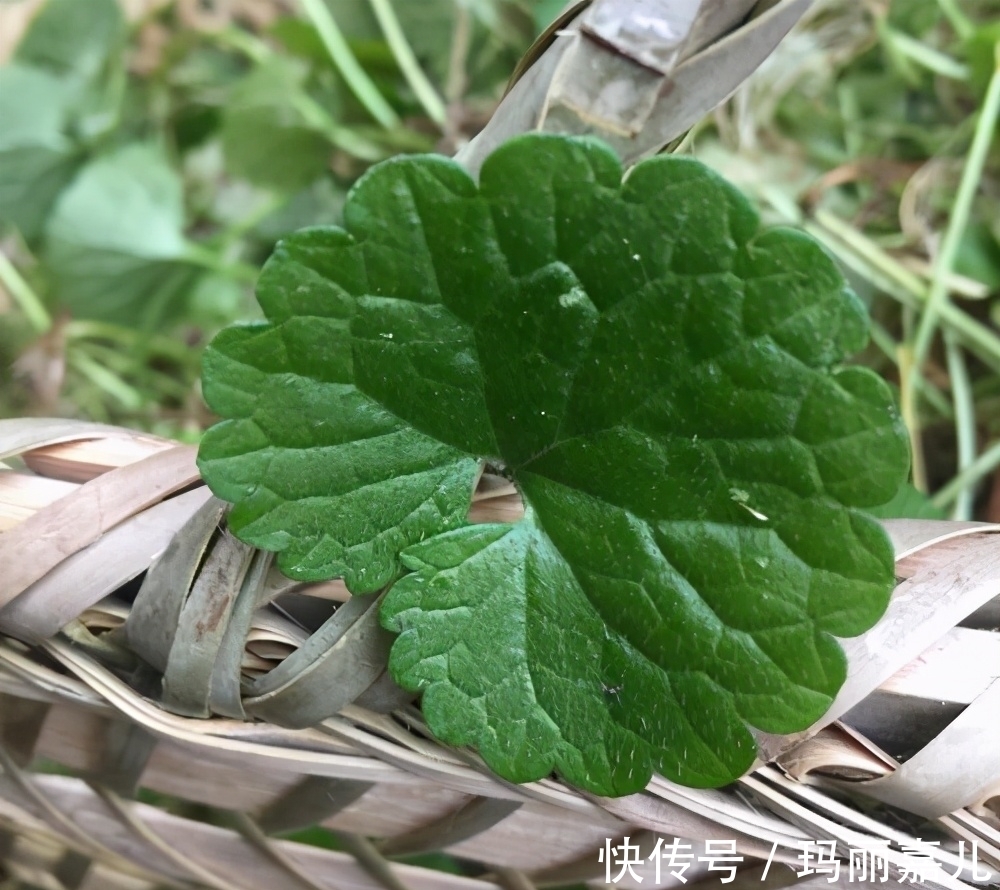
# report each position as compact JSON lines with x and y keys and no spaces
{"x":837,"y":751}
{"x":957,"y":668}
{"x":81,"y":517}
{"x":911,"y":535}
{"x":307,"y":752}
{"x":584,"y":832}
{"x":86,"y":576}
{"x":209,"y":849}
{"x":15,"y":784}
{"x":22,"y":434}
{"x":152,"y":621}
{"x":85,"y":450}
{"x":22,"y":495}
{"x":201,"y":626}
{"x":953,"y":771}
{"x":638,"y":73}
{"x":672,"y":810}
{"x":81,"y":461}
{"x":806,"y":803}
{"x":771,"y":788}
{"x":970,"y":829}
{"x":302,"y":752}
{"x":37,"y":858}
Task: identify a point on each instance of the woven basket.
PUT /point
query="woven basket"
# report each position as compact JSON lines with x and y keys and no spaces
{"x":84,"y":723}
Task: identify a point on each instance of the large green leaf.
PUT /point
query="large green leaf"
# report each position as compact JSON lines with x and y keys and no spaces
{"x":36,"y":159}
{"x":115,"y":241}
{"x":71,"y":39}
{"x":265,"y":136}
{"x":659,"y":378}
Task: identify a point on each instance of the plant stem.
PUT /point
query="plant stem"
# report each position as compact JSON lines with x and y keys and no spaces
{"x":926,"y":56}
{"x":199,"y":255}
{"x":422,"y":88}
{"x":873,"y":254}
{"x":965,"y":421}
{"x":937,"y":297}
{"x":242,"y":41}
{"x":868,"y":259}
{"x":128,"y":339}
{"x":342,"y":137}
{"x":963,"y":25}
{"x":890,"y":348}
{"x":908,"y":408}
{"x":985,"y":464}
{"x":22,"y":294}
{"x":344,"y":61}
{"x":105,"y":380}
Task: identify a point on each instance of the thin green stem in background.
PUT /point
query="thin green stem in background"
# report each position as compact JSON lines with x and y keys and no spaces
{"x":22,"y":294}
{"x":128,"y":339}
{"x":422,"y":88}
{"x":202,"y":256}
{"x":963,"y":25}
{"x":243,"y":41}
{"x":354,"y":75}
{"x":105,"y":380}
{"x":890,"y":348}
{"x":945,"y":260}
{"x":874,"y":255}
{"x":926,"y":56}
{"x":888,"y":274}
{"x":344,"y":138}
{"x":965,"y":421}
{"x":966,"y":480}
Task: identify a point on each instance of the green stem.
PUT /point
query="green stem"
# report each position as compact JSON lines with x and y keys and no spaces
{"x":344,"y":61}
{"x":925,"y":56}
{"x":971,"y":177}
{"x":244,"y":42}
{"x":963,"y":25}
{"x":124,"y":366}
{"x":965,"y":422}
{"x":200,"y":255}
{"x":105,"y":380}
{"x":422,"y":88}
{"x":29,"y":302}
{"x":873,"y":254}
{"x":342,"y":137}
{"x":868,"y":259}
{"x":127,"y":338}
{"x":966,"y":480}
{"x":890,"y":348}
{"x":228,"y":237}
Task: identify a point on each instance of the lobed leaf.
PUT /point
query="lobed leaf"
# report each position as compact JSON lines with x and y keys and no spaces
{"x":663,"y":383}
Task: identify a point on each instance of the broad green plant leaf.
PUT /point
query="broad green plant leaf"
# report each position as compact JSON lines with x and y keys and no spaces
{"x":663,"y":383}
{"x":266,"y":137}
{"x":36,"y":158}
{"x":73,"y":40}
{"x":908,"y":503}
{"x":115,"y":241}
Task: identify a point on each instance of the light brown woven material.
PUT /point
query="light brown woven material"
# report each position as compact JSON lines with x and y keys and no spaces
{"x":108,"y":507}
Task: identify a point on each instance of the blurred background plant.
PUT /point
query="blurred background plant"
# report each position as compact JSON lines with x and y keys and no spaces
{"x":153,"y":151}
